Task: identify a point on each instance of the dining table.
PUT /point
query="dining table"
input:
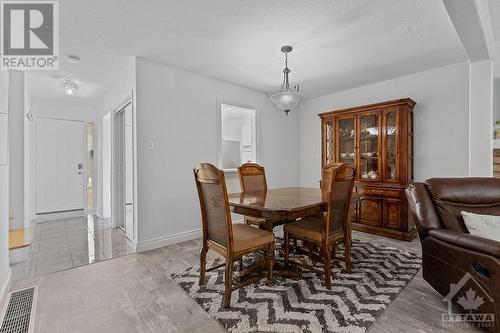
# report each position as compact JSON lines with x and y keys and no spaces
{"x":282,"y":205}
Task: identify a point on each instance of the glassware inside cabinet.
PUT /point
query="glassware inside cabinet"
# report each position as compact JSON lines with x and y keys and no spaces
{"x":347,"y":141}
{"x":369,"y":147}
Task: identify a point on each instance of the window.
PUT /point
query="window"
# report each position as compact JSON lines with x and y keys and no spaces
{"x":238,"y":139}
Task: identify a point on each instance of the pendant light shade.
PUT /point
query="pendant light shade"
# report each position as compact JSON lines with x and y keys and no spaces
{"x":287,"y":98}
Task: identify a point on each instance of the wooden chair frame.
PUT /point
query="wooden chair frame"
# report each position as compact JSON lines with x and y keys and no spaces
{"x":329,"y":243}
{"x":207,"y":173}
{"x":252,"y":169}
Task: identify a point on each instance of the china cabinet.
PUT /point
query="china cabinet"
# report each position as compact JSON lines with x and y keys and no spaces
{"x":378,"y":140}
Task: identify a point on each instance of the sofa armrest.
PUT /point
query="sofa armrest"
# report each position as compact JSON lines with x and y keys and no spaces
{"x":422,"y":209}
{"x":471,"y":242}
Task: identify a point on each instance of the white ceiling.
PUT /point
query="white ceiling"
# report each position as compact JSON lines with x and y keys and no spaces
{"x":338,"y":44}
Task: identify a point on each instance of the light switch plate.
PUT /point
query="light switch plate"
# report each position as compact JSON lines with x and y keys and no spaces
{"x":151,"y":145}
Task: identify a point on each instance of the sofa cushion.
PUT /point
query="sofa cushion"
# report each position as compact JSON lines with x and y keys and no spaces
{"x":451,"y":196}
{"x":487,"y":226}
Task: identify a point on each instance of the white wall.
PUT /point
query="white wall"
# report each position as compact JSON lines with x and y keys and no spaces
{"x":496,"y":98}
{"x":441,"y":121}
{"x":177,"y":111}
{"x":481,"y":119}
{"x":29,"y":173}
{"x":16,"y":148}
{"x":4,"y":90}
{"x":63,"y":110}
{"x":4,"y":189}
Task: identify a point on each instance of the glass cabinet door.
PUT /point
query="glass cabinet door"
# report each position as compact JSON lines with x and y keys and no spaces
{"x":330,"y":143}
{"x":391,"y":171}
{"x":346,"y":140}
{"x":369,"y":146}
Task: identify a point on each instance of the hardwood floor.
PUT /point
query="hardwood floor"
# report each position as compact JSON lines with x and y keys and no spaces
{"x":418,"y":308}
{"x":20,"y":238}
{"x":135,"y":293}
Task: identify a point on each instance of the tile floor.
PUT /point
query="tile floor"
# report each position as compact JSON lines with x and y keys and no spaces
{"x":135,"y":293}
{"x":63,"y":244}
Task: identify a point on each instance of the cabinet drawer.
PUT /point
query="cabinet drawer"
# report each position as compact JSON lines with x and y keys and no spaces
{"x":379,"y":192}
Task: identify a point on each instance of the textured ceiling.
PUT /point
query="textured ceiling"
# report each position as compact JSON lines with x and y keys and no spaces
{"x":338,"y":44}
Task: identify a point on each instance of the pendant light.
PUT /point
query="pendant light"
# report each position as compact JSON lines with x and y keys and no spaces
{"x":287,"y":98}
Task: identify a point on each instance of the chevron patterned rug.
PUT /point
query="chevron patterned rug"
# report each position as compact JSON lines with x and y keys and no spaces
{"x":355,"y":302}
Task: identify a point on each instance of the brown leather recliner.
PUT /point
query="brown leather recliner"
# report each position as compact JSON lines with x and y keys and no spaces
{"x":448,"y":250}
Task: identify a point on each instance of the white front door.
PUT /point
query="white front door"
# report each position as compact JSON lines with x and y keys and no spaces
{"x":59,"y":165}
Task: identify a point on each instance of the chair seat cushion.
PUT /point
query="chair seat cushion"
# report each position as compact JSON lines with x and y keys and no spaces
{"x":247,"y":237}
{"x":308,"y":228}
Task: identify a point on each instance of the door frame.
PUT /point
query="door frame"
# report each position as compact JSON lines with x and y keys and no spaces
{"x":115,"y":213}
{"x":118,"y":180}
{"x":35,"y":217}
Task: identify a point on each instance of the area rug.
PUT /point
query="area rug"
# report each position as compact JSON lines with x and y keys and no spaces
{"x":379,"y":274}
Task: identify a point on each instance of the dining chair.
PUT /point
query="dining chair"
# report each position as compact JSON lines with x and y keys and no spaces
{"x":328,"y":231}
{"x":253,"y":179}
{"x":222,"y":236}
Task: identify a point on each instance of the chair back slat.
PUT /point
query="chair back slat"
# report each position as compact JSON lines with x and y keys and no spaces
{"x":340,"y":177}
{"x":252,"y":177}
{"x":215,"y":212}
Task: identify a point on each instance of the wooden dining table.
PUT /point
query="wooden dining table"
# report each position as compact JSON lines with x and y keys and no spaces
{"x":279,"y":206}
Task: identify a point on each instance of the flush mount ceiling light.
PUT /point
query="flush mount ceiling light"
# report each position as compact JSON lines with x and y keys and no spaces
{"x":70,"y":87}
{"x":287,"y":98}
{"x":73,"y":58}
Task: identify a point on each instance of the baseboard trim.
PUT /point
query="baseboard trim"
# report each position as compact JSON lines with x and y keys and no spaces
{"x":167,"y":240}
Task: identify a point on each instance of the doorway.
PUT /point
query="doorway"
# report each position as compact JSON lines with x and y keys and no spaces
{"x":60,"y":168}
{"x":123,"y":170}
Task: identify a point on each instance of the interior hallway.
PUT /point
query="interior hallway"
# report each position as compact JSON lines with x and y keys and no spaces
{"x":67,"y":243}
